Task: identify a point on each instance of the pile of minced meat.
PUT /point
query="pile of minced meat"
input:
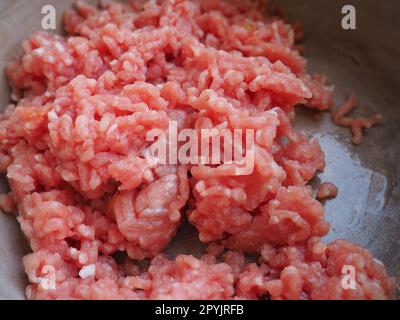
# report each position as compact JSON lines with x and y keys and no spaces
{"x":73,"y":142}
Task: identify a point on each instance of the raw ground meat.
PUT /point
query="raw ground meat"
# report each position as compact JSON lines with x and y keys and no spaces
{"x":326,"y":190}
{"x":314,"y":271}
{"x":356,"y":124}
{"x":92,"y":205}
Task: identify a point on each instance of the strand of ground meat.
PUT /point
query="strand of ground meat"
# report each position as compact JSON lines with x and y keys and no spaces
{"x":357,"y":124}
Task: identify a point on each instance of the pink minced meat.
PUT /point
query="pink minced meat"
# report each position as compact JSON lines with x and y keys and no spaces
{"x":291,"y":217}
{"x":326,"y":190}
{"x":73,"y":148}
{"x":314,"y":271}
{"x":357,"y":124}
{"x":150,"y":217}
{"x":309,"y":271}
{"x":186,"y":277}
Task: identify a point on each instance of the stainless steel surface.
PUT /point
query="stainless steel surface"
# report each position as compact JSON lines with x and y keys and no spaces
{"x":364,"y":61}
